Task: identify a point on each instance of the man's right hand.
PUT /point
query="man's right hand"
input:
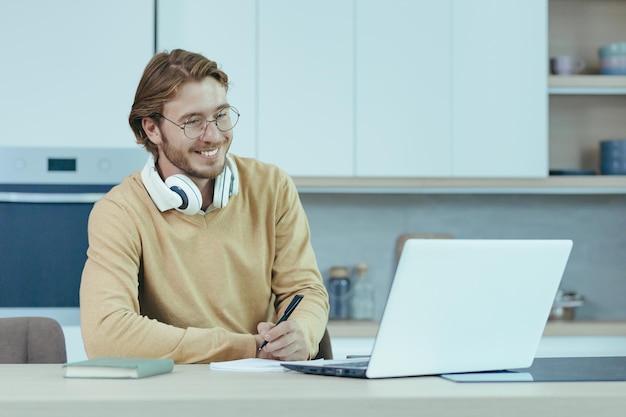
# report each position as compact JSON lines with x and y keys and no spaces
{"x":286,"y":341}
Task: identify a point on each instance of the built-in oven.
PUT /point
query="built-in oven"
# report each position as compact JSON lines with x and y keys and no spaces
{"x":46,"y":196}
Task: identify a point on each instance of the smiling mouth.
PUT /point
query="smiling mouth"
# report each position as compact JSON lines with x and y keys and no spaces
{"x":209,"y":153}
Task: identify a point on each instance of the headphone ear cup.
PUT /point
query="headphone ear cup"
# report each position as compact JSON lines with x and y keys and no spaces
{"x":188,"y":191}
{"x":223,"y":188}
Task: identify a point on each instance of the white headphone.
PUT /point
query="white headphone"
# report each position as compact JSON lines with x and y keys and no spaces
{"x":180,"y":193}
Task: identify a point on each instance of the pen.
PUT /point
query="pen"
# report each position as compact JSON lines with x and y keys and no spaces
{"x":292,"y":306}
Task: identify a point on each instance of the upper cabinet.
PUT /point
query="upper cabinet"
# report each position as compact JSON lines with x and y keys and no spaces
{"x":306,"y":86}
{"x":403,"y":89}
{"x":499,"y":106}
{"x":290,"y":66}
{"x":343,"y":94}
{"x":70,"y":69}
{"x":345,"y":88}
{"x":226,"y":32}
{"x":451,"y":89}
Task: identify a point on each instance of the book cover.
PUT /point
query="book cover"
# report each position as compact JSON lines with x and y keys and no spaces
{"x":117,"y":367}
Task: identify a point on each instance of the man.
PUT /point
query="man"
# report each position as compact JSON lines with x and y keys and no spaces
{"x":196,"y":256}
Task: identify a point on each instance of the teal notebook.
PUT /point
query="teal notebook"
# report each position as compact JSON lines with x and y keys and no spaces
{"x":114,"y":367}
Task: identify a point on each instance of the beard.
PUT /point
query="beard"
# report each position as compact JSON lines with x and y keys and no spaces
{"x":179,"y":158}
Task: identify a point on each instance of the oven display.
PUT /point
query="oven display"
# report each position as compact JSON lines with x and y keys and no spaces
{"x":62,"y":164}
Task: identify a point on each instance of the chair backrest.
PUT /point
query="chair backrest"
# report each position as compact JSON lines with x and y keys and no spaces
{"x":325,"y":348}
{"x":406,"y":236}
{"x":31,"y":340}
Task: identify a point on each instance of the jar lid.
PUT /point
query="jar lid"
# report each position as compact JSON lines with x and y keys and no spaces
{"x":361,"y":269}
{"x":339,"y":272}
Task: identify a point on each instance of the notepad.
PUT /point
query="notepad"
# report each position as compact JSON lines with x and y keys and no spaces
{"x":117,"y":367}
{"x":249,"y":365}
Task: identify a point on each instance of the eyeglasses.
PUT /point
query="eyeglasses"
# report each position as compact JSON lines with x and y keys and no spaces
{"x":195,"y":126}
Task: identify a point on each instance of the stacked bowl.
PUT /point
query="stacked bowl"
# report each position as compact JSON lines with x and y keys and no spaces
{"x":613,"y":59}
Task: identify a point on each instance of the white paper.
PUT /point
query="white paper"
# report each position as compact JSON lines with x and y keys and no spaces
{"x":249,"y":365}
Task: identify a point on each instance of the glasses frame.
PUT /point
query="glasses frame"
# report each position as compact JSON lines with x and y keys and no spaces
{"x":184,"y":125}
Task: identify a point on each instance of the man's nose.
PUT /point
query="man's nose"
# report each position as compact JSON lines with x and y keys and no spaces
{"x":211,"y":132}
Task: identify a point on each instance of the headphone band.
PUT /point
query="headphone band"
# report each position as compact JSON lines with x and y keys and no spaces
{"x":180,"y":193}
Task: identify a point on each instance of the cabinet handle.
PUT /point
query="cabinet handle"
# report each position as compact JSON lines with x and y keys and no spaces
{"x":50,"y":198}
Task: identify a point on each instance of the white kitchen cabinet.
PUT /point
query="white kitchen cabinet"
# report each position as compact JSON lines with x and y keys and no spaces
{"x":70,"y":69}
{"x":223,"y":31}
{"x":415,"y":89}
{"x":306,"y":86}
{"x":403,"y":90}
{"x":290,"y":65}
{"x":451,"y":89}
{"x":499,"y":84}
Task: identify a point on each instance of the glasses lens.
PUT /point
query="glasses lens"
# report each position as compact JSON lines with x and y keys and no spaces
{"x":194,"y":127}
{"x":227,"y":118}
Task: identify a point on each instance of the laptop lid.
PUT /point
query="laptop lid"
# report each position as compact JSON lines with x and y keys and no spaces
{"x":466,"y":305}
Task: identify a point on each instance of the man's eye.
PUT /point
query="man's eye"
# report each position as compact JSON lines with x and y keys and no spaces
{"x":194,"y":121}
{"x":222,"y":114}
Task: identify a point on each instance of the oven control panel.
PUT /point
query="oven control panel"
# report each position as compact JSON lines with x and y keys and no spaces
{"x":69,"y":165}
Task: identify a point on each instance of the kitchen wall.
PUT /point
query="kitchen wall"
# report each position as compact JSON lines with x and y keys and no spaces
{"x":351,"y":228}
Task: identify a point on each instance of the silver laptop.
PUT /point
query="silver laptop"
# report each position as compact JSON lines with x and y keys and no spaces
{"x":460,"y":306}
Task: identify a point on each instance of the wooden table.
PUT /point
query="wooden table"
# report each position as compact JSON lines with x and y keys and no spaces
{"x":31,"y":390}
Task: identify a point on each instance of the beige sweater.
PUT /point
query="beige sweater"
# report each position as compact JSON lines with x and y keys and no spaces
{"x":194,"y":288}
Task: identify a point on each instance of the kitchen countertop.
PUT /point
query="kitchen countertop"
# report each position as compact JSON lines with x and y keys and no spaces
{"x":549,"y":346}
{"x":560,"y":338}
{"x":359,"y":328}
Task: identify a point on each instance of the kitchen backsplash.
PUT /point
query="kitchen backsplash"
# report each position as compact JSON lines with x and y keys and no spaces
{"x":352,"y":228}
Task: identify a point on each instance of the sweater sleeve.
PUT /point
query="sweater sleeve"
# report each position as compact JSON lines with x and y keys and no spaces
{"x":111,"y":322}
{"x":295,"y":269}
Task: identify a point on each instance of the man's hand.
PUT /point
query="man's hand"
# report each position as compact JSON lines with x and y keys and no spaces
{"x":285,"y":341}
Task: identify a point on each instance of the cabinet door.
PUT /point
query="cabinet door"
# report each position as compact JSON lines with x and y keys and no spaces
{"x":70,"y":69}
{"x":500,"y":88}
{"x":224,"y":31}
{"x":305,"y":100}
{"x":403,"y":90}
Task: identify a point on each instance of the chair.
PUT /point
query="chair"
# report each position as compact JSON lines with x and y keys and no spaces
{"x":406,"y":236}
{"x":325,"y":348}
{"x":31,"y":340}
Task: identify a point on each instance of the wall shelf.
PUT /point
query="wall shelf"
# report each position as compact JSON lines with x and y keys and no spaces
{"x":587,"y":84}
{"x":567,"y":184}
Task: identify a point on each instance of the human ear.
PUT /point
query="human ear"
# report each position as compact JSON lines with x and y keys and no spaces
{"x":152,"y":130}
